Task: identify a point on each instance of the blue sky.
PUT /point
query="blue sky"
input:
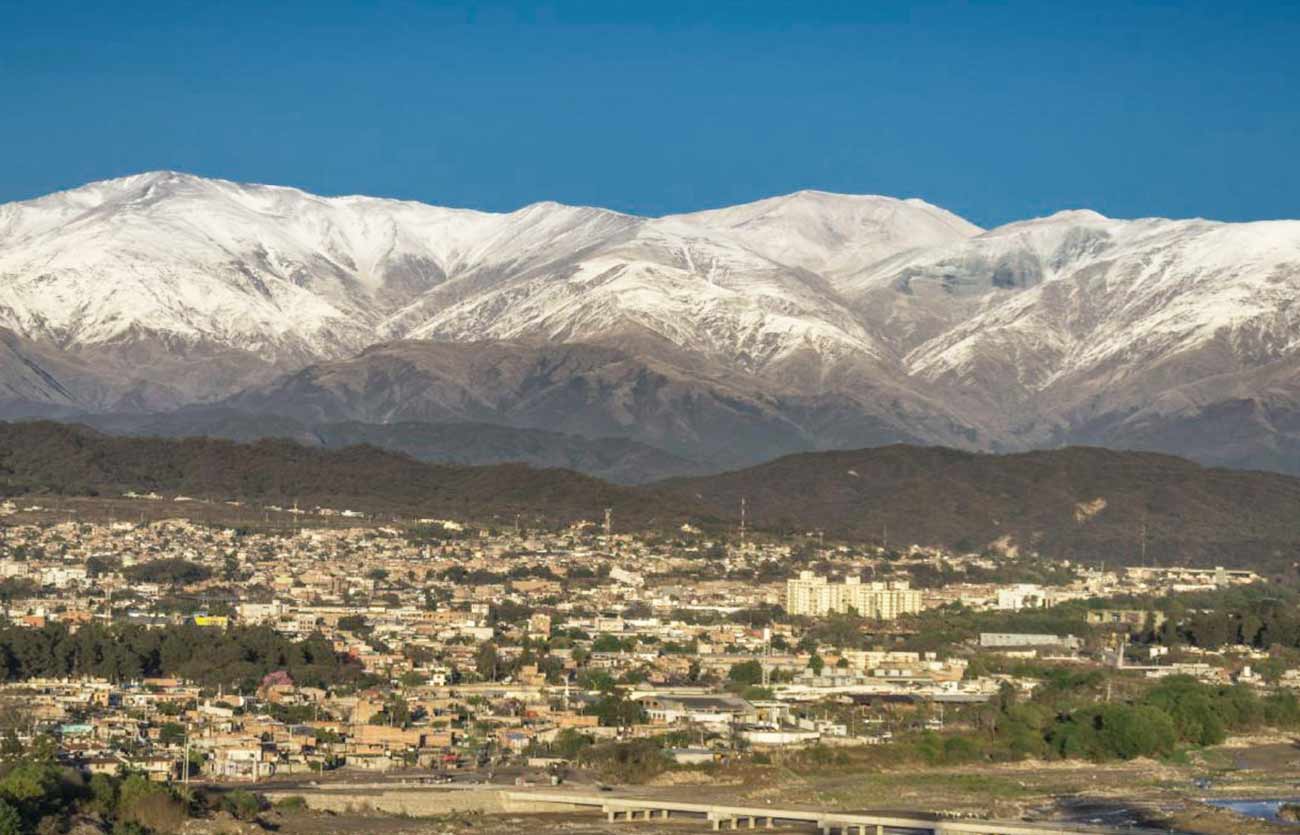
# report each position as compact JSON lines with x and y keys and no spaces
{"x":997,"y":111}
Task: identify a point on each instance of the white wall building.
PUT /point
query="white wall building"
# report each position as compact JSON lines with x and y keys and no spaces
{"x":809,"y":594}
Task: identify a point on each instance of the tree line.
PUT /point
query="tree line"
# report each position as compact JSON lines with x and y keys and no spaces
{"x":235,"y":658}
{"x":1071,"y":717}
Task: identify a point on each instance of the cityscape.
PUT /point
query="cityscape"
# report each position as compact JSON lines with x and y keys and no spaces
{"x":308,"y":659}
{"x":485,"y":417}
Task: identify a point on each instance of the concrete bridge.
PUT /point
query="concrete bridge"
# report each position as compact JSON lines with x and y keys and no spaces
{"x":618,"y":808}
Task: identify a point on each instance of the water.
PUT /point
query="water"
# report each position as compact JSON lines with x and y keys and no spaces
{"x":1096,"y":812}
{"x":1261,"y":809}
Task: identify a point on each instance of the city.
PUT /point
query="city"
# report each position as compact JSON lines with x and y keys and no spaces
{"x":323,"y":651}
{"x":501,"y":417}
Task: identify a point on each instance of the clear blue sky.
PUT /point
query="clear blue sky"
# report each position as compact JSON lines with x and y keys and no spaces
{"x":997,"y":111}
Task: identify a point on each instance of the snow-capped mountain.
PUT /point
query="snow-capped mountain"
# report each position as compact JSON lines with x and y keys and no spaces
{"x":1062,"y":320}
{"x":834,"y":319}
{"x":284,"y":277}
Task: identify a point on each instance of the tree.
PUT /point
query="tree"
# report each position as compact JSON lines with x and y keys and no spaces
{"x":1140,"y":731}
{"x":606,"y":643}
{"x":616,"y":710}
{"x":1006,"y":698}
{"x":569,"y":743}
{"x":746,"y":673}
{"x":817,"y":664}
{"x":486,"y":662}
{"x":33,"y":786}
{"x":97,"y":566}
{"x":176,"y":572}
{"x":10,"y":746}
{"x":637,"y":610}
{"x":353,"y":623}
{"x":171,"y":733}
{"x":103,"y":795}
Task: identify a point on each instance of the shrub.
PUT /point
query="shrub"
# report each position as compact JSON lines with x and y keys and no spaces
{"x":292,"y":804}
{"x":34,"y":787}
{"x":244,"y":805}
{"x":103,"y":795}
{"x":959,"y":749}
{"x":1123,"y":731}
{"x":569,"y":743}
{"x":150,"y":805}
{"x":11,"y":822}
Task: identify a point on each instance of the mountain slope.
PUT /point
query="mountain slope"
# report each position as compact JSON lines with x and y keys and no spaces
{"x":616,"y":460}
{"x":689,"y":407}
{"x":1078,"y":320}
{"x":44,"y":457}
{"x":167,"y":265}
{"x":1078,"y":503}
{"x":800,"y":322}
{"x":834,"y":235}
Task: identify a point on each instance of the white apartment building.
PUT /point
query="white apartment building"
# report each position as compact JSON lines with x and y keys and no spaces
{"x":809,"y":594}
{"x":1023,"y":596}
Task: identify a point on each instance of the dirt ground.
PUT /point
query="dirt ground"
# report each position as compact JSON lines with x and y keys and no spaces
{"x":1166,"y":796}
{"x":311,"y":823}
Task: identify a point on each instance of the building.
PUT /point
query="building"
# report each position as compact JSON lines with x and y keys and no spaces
{"x":1019,"y":640}
{"x":1134,"y":618}
{"x":809,"y":594}
{"x":1022,"y":596}
{"x":717,"y":711}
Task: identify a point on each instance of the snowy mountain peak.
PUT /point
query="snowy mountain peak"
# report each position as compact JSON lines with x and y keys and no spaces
{"x":204,"y":264}
{"x":834,"y":235}
{"x":168,"y":287}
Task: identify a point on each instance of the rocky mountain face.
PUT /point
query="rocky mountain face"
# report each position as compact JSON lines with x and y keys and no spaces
{"x":809,"y":321}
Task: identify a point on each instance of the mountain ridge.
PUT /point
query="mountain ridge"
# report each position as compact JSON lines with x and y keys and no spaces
{"x":1079,"y":503}
{"x":823,"y":316}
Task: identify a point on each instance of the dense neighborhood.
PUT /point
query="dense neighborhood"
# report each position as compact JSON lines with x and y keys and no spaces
{"x":188,"y":651}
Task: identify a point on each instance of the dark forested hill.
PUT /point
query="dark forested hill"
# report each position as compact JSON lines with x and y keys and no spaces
{"x":68,"y":459}
{"x":1079,"y":502}
{"x":619,"y":460}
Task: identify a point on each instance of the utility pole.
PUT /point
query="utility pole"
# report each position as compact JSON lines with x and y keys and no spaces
{"x":743,"y":502}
